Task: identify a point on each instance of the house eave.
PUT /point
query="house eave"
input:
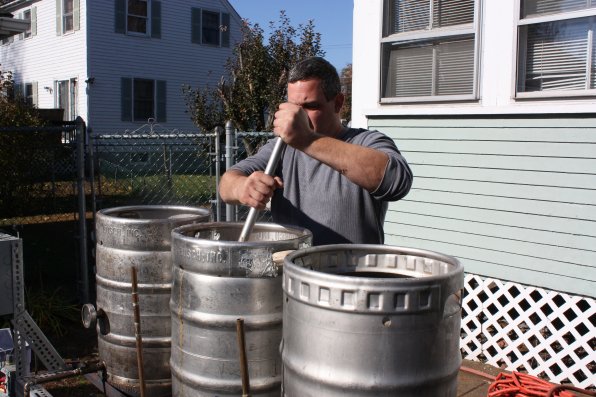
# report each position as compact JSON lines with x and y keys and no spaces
{"x":12,"y":27}
{"x":16,"y":4}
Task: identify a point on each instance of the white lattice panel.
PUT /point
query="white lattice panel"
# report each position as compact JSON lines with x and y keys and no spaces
{"x":526,"y":329}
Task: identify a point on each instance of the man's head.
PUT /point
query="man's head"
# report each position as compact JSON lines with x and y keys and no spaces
{"x":314,"y":85}
{"x":317,"y":68}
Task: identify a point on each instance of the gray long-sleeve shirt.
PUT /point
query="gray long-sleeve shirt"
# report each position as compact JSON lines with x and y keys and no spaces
{"x":333,"y":208}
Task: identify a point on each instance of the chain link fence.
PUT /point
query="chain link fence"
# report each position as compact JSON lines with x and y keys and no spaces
{"x":38,"y":174}
{"x":60,"y":176}
{"x":151,"y":166}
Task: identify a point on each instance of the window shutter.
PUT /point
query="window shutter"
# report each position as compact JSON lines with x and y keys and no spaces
{"x":225,"y":34}
{"x":126,"y":98}
{"x":120,"y":16}
{"x":17,"y":91}
{"x":35,"y":96}
{"x":156,"y":19}
{"x":160,"y":106}
{"x":58,"y":17}
{"x":21,"y":35}
{"x":195,"y":25}
{"x":33,"y":21}
{"x":76,"y":14}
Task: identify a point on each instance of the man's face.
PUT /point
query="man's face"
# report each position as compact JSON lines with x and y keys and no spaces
{"x":323,"y":114}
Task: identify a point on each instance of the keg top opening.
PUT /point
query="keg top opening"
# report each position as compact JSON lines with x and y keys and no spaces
{"x":213,"y":248}
{"x":230,"y":232}
{"x":374,"y":261}
{"x":156,"y":212}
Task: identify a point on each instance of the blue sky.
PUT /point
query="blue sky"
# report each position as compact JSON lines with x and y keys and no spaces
{"x":332,"y":18}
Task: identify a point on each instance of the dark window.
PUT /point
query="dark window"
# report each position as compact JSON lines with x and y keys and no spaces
{"x":28,"y":93}
{"x":27,"y":17}
{"x":137,"y":16}
{"x":210,"y":24}
{"x":143,"y":99}
{"x":67,"y":16}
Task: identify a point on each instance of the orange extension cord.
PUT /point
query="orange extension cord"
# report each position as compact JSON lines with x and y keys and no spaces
{"x":517,"y":384}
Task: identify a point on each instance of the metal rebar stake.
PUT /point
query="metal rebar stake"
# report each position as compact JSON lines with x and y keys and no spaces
{"x":243,"y":360}
{"x":138,"y":337}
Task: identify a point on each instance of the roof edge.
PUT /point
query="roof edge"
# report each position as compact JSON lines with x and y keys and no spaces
{"x":16,"y":4}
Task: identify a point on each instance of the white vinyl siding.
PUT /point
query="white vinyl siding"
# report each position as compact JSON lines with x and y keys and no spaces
{"x":428,"y":50}
{"x":556,"y":48}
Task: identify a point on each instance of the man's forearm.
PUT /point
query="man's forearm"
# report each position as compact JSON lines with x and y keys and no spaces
{"x":228,"y":184}
{"x":362,"y":165}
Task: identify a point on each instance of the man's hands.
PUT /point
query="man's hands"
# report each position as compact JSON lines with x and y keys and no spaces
{"x":256,"y":190}
{"x":293,"y":126}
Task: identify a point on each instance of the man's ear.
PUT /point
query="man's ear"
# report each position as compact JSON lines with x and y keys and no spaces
{"x":339,"y":102}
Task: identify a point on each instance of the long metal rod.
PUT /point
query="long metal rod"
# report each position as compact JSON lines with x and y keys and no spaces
{"x":138,"y":337}
{"x":269,"y":170}
{"x":229,"y":150}
{"x":218,"y":132}
{"x":89,"y":368}
{"x":243,"y":361}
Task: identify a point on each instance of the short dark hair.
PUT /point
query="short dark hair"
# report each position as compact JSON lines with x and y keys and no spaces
{"x":317,"y":68}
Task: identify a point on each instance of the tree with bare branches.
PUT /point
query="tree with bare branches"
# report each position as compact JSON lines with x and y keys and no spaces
{"x":257,"y":80}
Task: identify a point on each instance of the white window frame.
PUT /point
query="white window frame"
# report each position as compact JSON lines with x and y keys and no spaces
{"x":71,"y":111}
{"x":427,"y":36}
{"x":521,"y":46}
{"x":27,"y":33}
{"x":147,"y":17}
{"x":66,"y":15}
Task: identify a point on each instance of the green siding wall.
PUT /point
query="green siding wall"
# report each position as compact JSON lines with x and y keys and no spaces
{"x":512,"y":198}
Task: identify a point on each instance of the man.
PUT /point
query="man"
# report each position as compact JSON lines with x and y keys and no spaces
{"x":334,"y":181}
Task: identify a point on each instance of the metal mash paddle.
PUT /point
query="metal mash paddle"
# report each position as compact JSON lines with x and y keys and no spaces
{"x":269,"y":170}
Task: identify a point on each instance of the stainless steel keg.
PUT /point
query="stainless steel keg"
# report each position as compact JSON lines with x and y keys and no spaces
{"x":371,"y":320}
{"x":216,"y":281}
{"x":136,"y":236}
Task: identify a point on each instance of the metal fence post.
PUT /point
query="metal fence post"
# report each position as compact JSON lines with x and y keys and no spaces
{"x":218,"y":132}
{"x":230,"y":209}
{"x":84,"y":266}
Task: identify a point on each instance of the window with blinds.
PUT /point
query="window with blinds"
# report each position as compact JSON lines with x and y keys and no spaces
{"x":429,"y":50}
{"x":557,"y":48}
